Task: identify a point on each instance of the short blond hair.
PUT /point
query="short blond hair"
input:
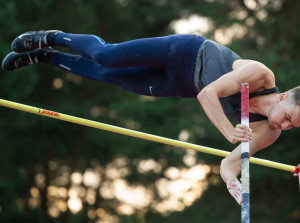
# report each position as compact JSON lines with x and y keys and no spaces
{"x":294,"y":95}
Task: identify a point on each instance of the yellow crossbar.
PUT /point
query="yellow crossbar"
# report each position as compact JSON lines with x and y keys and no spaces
{"x":137,"y":134}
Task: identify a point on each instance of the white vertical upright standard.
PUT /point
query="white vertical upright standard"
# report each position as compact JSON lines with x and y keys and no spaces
{"x":245,"y":155}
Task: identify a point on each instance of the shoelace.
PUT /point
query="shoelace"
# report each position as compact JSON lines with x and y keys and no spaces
{"x":30,"y":42}
{"x":22,"y":62}
{"x":30,"y":60}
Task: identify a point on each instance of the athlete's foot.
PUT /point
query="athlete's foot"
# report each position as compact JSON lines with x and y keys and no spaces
{"x":16,"y":61}
{"x":229,"y":170}
{"x":34,"y":40}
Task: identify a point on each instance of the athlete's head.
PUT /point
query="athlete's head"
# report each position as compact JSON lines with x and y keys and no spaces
{"x":285,"y":114}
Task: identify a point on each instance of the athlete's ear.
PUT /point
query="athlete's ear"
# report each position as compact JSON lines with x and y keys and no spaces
{"x":282,"y":97}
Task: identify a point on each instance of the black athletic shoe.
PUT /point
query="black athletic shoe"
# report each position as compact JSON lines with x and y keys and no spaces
{"x":16,"y":61}
{"x":34,"y":40}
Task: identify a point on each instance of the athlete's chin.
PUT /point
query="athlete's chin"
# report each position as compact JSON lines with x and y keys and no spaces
{"x":274,"y":126}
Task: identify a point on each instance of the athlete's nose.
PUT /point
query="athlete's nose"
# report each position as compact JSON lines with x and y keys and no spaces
{"x":286,"y":126}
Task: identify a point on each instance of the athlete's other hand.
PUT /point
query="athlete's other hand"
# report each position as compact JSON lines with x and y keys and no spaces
{"x":235,"y":189}
{"x":241,"y":133}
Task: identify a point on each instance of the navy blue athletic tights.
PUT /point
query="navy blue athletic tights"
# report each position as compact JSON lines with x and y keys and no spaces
{"x":160,"y":66}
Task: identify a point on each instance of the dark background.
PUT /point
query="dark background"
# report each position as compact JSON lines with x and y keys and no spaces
{"x":49,"y":167}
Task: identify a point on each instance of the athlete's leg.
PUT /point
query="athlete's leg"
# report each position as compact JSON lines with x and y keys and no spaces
{"x":150,"y":52}
{"x":140,"y":80}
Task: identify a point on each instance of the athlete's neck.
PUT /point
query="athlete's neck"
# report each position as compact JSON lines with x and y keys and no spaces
{"x":262,"y":104}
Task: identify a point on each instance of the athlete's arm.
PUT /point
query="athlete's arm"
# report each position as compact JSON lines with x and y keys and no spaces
{"x":256,"y":74}
{"x":262,"y":137}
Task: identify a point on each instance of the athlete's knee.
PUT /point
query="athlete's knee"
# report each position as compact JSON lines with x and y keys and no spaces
{"x":95,"y":71}
{"x":99,"y":40}
{"x":105,"y":58}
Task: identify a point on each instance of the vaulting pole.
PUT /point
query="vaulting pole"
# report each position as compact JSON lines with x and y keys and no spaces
{"x":124,"y":131}
{"x":245,"y":206}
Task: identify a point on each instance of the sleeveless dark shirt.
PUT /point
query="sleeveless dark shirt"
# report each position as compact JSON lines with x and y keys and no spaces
{"x":215,"y":60}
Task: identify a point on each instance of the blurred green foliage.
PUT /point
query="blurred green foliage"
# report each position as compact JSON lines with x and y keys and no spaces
{"x":30,"y":144}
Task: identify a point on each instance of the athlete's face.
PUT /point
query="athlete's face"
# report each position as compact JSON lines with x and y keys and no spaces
{"x":284,"y":115}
